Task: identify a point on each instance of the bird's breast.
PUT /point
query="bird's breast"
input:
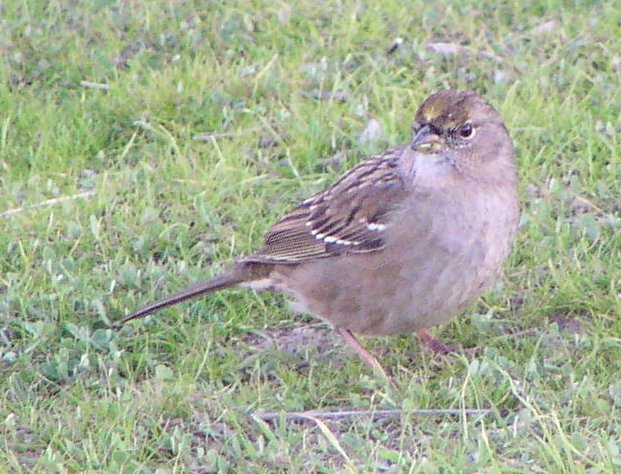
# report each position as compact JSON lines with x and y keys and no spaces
{"x":442,"y":252}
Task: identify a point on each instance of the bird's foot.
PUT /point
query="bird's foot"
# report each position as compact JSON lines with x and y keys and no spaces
{"x":369,"y":359}
{"x":433,"y":344}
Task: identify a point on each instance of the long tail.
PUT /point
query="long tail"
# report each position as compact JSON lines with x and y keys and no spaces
{"x":225,"y":280}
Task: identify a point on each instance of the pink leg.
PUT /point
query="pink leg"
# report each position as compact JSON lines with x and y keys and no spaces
{"x":369,"y":359}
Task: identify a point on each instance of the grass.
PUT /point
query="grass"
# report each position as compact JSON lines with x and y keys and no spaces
{"x":199,"y":124}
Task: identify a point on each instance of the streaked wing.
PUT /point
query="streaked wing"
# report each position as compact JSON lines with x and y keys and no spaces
{"x":350,"y":216}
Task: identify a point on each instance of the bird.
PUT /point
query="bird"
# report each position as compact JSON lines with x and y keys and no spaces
{"x":400,"y":243}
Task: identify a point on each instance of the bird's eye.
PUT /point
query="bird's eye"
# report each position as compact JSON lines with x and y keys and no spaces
{"x":466,"y":130}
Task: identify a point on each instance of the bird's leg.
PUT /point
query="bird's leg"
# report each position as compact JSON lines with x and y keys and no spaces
{"x":434,"y":345}
{"x":369,"y":359}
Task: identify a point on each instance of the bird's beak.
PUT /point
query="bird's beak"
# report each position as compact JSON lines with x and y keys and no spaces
{"x":426,"y":141}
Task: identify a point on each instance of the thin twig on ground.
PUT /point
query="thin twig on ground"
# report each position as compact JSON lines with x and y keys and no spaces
{"x":340,"y":414}
{"x":207,"y":136}
{"x":95,"y":85}
{"x":48,"y":202}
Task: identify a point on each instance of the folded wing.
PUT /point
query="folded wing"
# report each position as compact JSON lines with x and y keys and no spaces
{"x":350,"y":216}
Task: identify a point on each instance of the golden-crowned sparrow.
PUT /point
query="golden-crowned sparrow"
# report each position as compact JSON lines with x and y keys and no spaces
{"x":401,"y":242}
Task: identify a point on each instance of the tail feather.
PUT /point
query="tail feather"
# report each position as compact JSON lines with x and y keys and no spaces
{"x":217,"y":283}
